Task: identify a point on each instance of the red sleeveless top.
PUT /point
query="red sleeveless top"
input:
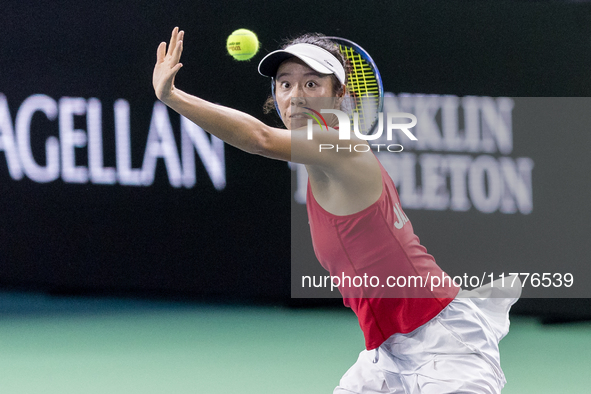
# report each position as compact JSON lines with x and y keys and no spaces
{"x":386,"y":276}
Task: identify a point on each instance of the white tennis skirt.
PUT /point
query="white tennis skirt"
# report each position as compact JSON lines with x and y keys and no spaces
{"x":455,"y":352}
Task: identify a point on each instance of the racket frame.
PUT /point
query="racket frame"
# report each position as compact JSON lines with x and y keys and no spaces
{"x":365,"y":56}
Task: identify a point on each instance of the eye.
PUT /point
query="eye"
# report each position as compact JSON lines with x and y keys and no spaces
{"x":284,"y":85}
{"x":310,"y":84}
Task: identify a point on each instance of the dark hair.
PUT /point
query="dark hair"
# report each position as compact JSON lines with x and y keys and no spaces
{"x":320,"y":40}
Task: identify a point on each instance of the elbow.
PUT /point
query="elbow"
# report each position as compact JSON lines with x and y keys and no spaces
{"x":262,"y":142}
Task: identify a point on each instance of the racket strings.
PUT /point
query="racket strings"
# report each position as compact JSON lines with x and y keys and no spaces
{"x":363,"y":87}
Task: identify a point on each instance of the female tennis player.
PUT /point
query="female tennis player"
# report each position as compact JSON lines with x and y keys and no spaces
{"x":418,"y":339}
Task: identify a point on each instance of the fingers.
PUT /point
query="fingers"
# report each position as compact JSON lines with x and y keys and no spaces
{"x":176,"y":68}
{"x":176,"y":55}
{"x":161,"y":52}
{"x":173,"y":40}
{"x":175,"y":48}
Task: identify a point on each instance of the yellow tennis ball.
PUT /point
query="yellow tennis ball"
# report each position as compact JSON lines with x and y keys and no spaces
{"x":242,"y":44}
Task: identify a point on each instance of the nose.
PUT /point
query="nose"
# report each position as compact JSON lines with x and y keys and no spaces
{"x":297,"y":97}
{"x":298,"y":101}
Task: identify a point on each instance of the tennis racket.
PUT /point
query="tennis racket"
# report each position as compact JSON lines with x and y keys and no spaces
{"x":365,"y":91}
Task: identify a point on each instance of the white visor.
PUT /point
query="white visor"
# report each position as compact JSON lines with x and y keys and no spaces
{"x":318,"y":59}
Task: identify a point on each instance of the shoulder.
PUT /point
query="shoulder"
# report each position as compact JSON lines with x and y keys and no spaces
{"x":353,"y":185}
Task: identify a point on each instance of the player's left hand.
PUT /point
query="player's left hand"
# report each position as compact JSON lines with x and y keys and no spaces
{"x":167,"y":65}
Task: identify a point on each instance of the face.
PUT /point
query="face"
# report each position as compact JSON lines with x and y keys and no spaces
{"x":298,"y":86}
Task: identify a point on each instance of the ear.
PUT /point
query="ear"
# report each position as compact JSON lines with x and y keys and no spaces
{"x":341,"y":95}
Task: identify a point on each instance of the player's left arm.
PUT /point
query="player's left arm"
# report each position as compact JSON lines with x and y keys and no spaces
{"x":249,"y":134}
{"x":234,"y":127}
{"x":237,"y":128}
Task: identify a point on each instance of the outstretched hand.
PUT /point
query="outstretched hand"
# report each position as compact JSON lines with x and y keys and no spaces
{"x":167,"y":65}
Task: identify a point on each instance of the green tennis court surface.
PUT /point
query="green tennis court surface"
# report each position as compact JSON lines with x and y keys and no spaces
{"x":82,"y":345}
